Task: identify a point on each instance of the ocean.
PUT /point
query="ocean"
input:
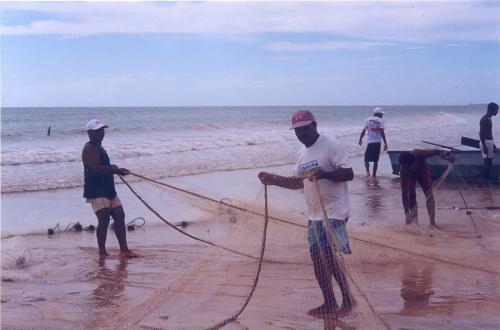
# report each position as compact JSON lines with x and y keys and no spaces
{"x":410,"y":273}
{"x":42,"y":176}
{"x":163,"y":142}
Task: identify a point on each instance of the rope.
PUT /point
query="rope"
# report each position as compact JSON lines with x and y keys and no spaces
{"x":221,"y":202}
{"x":56,"y":227}
{"x":375,"y":243}
{"x":468,"y":211}
{"x":470,"y":208}
{"x":477,"y":172}
{"x":263,"y":246}
{"x":179,"y":230}
{"x":259,"y":268}
{"x":450,"y":262}
{"x":469,"y":214}
{"x":132,"y":222}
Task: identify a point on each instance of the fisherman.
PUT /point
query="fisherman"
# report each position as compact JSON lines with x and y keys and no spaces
{"x":375,"y":126}
{"x":488,"y":148}
{"x":322,"y":160}
{"x":413,"y":169}
{"x":99,"y":189}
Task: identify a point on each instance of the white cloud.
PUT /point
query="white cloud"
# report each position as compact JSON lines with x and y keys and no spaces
{"x":291,"y":58}
{"x":417,"y":22}
{"x":319,"y":46}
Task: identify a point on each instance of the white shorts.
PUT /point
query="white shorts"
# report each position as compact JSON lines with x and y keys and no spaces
{"x":489,"y":145}
{"x":104,"y":203}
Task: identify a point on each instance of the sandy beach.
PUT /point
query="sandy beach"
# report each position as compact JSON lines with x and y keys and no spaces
{"x":402,"y":276}
{"x":193,"y":99}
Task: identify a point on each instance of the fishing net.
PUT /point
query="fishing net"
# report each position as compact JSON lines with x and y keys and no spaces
{"x":243,"y":256}
{"x":450,"y":271}
{"x":245,"y":243}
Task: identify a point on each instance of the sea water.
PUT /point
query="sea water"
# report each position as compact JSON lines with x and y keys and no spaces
{"x":166,"y":142}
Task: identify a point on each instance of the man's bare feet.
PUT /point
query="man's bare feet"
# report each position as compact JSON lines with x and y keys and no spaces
{"x":368,"y":174}
{"x":323,"y":310}
{"x":103,"y":253}
{"x":347,"y":308}
{"x":434,"y":226}
{"x":128,"y":254}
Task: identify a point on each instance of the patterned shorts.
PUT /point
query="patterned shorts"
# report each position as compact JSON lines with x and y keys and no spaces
{"x":317,"y":235}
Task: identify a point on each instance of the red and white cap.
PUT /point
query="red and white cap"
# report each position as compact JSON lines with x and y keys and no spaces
{"x":94,"y":124}
{"x":302,"y":118}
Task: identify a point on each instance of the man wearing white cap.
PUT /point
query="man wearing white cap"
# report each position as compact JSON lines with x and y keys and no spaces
{"x":99,"y":189}
{"x":375,"y":126}
{"x":322,"y":160}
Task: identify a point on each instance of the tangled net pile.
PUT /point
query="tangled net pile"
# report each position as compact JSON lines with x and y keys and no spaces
{"x":248,"y":239}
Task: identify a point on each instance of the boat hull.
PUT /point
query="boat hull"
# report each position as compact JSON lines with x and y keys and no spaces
{"x":469,"y":163}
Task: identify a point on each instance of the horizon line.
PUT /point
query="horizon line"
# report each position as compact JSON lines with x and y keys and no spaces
{"x":241,"y":106}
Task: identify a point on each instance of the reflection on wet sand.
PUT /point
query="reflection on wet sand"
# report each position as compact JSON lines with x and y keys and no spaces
{"x":111,"y":283}
{"x":374,"y":197}
{"x":416,"y":288}
{"x":109,"y":294}
{"x":332,"y":324}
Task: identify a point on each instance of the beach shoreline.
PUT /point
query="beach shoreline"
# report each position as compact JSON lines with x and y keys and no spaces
{"x":407,"y":276}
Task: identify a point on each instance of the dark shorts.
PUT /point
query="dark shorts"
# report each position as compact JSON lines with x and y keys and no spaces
{"x":317,"y":236}
{"x":372,"y":152}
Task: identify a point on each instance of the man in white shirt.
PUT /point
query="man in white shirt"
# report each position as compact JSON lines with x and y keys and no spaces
{"x":324,"y":161}
{"x":375,"y":126}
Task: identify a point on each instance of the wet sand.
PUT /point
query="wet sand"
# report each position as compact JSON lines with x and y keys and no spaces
{"x":403,"y":277}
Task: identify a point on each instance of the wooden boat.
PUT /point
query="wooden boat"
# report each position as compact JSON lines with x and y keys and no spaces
{"x":469,"y":163}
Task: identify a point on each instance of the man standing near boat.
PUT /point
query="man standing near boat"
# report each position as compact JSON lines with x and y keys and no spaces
{"x":413,"y":169}
{"x":375,"y":126}
{"x":322,"y":172}
{"x":99,"y":189}
{"x":486,"y":137}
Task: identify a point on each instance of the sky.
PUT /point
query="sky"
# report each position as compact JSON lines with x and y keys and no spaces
{"x":249,"y":53}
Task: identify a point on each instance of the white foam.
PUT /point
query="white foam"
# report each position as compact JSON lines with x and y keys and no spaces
{"x":54,"y":165}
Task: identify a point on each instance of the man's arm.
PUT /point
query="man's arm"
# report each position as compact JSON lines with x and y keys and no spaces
{"x":404,"y":192}
{"x":383,"y":138}
{"x":485,"y":149}
{"x":433,"y":152}
{"x":483,"y":128}
{"x":90,"y":157}
{"x":288,"y":182}
{"x":339,"y":175}
{"x":361,"y":136}
{"x":483,"y":145}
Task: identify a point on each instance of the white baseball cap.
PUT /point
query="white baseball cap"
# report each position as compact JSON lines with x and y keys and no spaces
{"x":94,"y":124}
{"x":378,"y":110}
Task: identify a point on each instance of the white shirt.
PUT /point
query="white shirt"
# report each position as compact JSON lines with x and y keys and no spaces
{"x":374,"y":126}
{"x":327,"y":154}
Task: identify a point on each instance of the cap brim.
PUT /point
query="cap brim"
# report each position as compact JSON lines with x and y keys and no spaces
{"x":301,"y":124}
{"x":95,"y":129}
